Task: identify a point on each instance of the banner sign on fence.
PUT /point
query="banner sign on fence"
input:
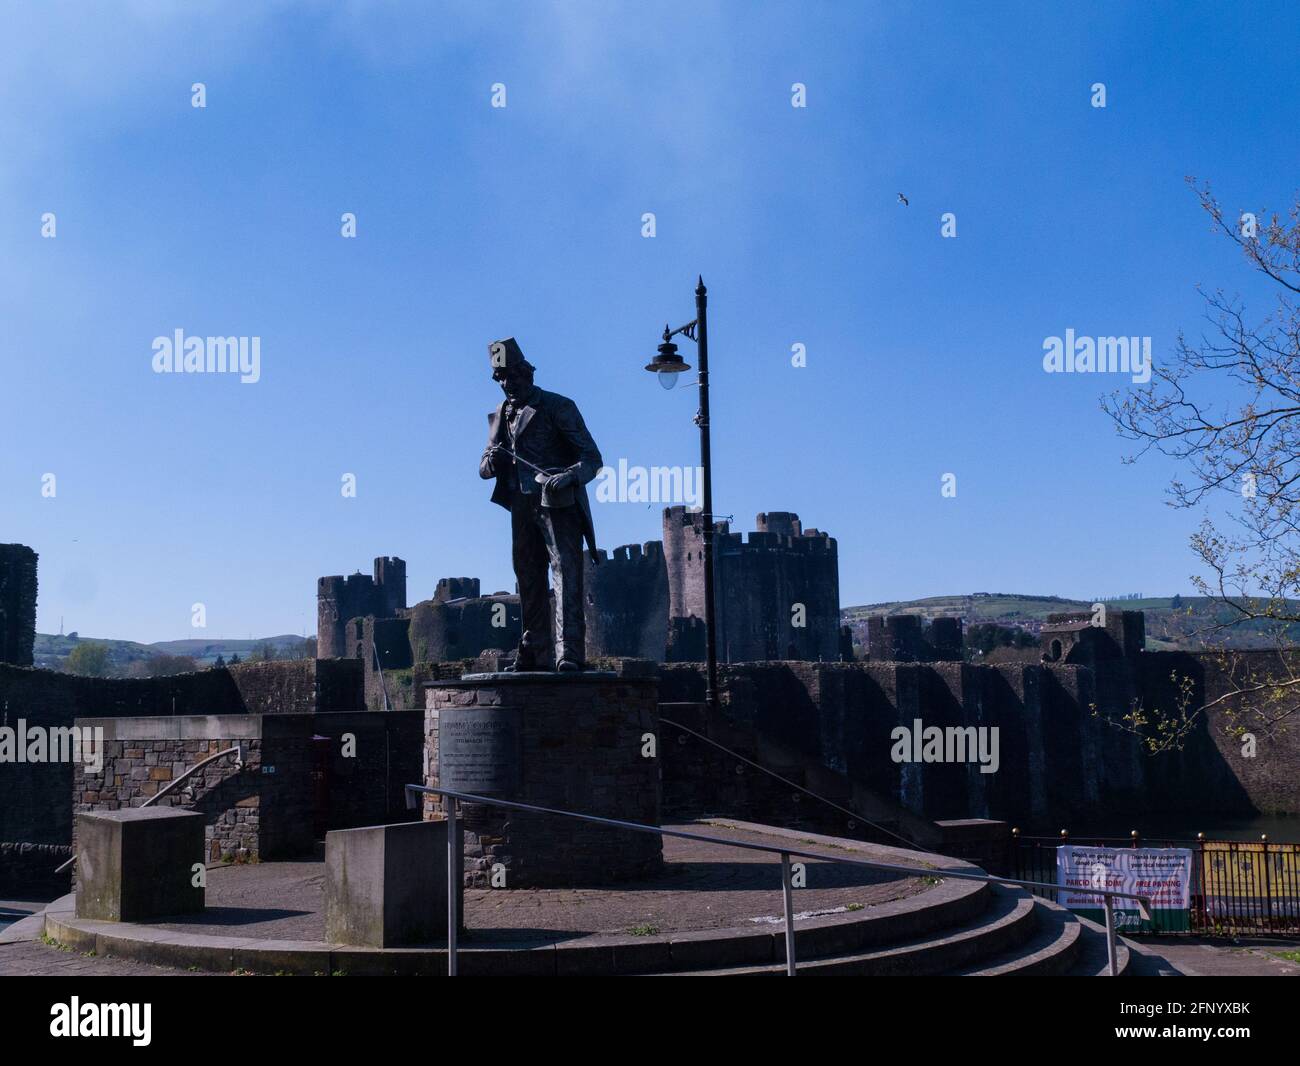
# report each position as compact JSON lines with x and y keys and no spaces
{"x":1251,"y":881}
{"x":1163,"y":874}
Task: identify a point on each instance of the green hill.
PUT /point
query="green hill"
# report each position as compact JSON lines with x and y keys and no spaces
{"x":51,"y":650}
{"x":977,"y":607}
{"x":1195,"y":622}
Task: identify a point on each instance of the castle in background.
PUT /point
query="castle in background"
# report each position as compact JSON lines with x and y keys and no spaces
{"x":777,"y":596}
{"x":17,"y":604}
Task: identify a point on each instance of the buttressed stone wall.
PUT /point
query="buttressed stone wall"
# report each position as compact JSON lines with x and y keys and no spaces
{"x":1059,"y":759}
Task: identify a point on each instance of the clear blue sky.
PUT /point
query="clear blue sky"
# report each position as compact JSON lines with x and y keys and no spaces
{"x":474,"y":222}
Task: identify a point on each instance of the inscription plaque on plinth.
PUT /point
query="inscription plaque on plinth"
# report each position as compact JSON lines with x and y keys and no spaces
{"x":478,"y":749}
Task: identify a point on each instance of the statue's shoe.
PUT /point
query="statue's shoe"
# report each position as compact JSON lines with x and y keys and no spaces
{"x":527,"y":664}
{"x":569,"y":666}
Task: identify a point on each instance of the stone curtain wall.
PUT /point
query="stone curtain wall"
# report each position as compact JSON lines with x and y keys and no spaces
{"x":1217,"y":763}
{"x":1059,"y":762}
{"x":17,"y":604}
{"x":627,"y":602}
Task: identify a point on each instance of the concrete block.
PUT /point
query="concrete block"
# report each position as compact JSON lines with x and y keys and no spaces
{"x":137,"y":865}
{"x":386,"y":885}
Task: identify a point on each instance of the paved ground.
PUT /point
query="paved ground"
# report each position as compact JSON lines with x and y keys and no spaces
{"x":727,"y":887}
{"x":704,"y":886}
{"x":35,"y":958}
{"x":1247,"y":956}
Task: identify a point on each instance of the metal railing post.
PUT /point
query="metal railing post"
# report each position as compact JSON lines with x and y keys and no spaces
{"x":788,"y":902}
{"x":1268,"y":884}
{"x":455,"y":874}
{"x":1112,"y":956}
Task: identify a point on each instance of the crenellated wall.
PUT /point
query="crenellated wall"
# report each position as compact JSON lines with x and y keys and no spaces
{"x":627,"y":602}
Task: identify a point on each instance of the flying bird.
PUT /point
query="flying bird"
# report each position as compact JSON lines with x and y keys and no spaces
{"x":902,"y":199}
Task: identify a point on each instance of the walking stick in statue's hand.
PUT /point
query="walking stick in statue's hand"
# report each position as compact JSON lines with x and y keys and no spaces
{"x":542,"y":475}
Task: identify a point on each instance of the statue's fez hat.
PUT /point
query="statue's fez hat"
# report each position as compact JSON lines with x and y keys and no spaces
{"x":506,"y":353}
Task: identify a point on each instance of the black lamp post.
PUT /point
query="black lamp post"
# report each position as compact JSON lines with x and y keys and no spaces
{"x":668,"y":364}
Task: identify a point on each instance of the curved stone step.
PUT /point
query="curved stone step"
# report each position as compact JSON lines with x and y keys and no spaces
{"x":1054,"y":948}
{"x":1008,"y":922}
{"x":953,"y":904}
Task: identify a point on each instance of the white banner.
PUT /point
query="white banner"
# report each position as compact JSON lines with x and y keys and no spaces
{"x":1164,"y":875}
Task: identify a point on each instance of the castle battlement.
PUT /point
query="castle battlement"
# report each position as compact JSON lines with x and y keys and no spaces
{"x":381,"y":594}
{"x":648,"y":553}
{"x":777,"y":588}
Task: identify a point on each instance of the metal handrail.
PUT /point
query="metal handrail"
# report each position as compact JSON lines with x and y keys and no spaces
{"x":455,"y":860}
{"x":786,"y":781}
{"x":237,"y":751}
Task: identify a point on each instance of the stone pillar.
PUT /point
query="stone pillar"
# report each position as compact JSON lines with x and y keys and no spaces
{"x":571,"y":742}
{"x":386,"y":885}
{"x":138,"y":864}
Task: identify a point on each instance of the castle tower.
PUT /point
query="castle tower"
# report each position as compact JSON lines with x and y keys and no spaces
{"x":390,"y":580}
{"x":17,"y":604}
{"x":339,"y":599}
{"x":777,"y":593}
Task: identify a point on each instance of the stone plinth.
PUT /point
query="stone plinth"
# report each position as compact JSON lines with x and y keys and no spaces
{"x":572,"y":742}
{"x":386,"y":885}
{"x":138,"y":865}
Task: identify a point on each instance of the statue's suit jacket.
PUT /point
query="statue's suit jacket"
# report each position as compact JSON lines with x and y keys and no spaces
{"x":549,"y":433}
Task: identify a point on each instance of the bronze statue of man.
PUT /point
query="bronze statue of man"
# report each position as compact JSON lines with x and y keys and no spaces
{"x":542,"y":457}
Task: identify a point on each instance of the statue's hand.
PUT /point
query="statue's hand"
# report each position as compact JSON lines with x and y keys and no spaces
{"x":487,"y":466}
{"x":558,"y":482}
